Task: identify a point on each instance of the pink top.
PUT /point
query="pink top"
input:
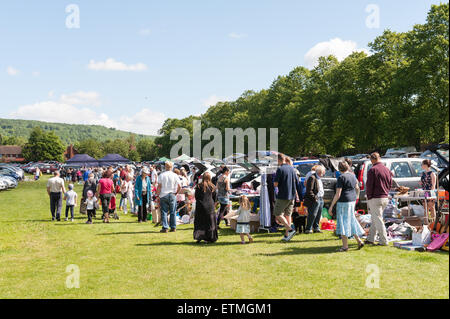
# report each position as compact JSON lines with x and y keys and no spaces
{"x":106,"y":186}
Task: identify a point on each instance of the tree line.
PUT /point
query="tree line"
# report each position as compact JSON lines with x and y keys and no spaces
{"x":18,"y":131}
{"x":395,"y":96}
{"x":47,"y":146}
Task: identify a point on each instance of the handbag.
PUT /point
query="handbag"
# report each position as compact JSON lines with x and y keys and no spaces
{"x":83,"y":207}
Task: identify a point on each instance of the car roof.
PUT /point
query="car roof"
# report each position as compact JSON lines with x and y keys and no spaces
{"x":311,"y":161}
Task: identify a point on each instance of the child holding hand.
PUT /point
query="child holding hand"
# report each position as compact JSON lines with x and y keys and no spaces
{"x":243,"y":220}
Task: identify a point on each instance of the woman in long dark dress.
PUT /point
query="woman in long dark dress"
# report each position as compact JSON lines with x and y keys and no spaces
{"x":205,"y":225}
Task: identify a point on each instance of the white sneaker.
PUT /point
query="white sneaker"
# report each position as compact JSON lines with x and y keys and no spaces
{"x":71,"y":220}
{"x":291,"y":234}
{"x":66,"y":219}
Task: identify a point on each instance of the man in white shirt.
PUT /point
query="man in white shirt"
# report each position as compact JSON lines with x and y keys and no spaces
{"x":55,"y":189}
{"x":168,"y":186}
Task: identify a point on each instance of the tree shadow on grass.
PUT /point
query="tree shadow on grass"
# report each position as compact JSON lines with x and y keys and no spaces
{"x":129,"y":233}
{"x":302,"y":251}
{"x":29,"y":221}
{"x":95,"y":222}
{"x":192,"y":244}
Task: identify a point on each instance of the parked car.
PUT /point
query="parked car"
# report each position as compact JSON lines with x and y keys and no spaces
{"x":253,"y":174}
{"x":3,"y":184}
{"x":6,"y":171}
{"x":237,"y":174}
{"x":329,"y":180}
{"x":398,"y":152}
{"x":45,"y":168}
{"x":406,"y":171}
{"x":9,"y":181}
{"x":441,"y":152}
{"x":14,"y":168}
{"x":439,"y":155}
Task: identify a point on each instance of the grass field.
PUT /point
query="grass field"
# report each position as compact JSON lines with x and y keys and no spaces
{"x":125,"y":259}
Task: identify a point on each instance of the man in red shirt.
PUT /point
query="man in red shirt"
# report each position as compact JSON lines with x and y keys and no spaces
{"x":105,"y":189}
{"x":379,"y":181}
{"x":123,"y":173}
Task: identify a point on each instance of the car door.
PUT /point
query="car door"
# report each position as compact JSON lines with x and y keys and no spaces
{"x":329,"y":186}
{"x":403,"y":174}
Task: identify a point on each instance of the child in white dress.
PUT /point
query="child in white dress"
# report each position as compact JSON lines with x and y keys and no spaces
{"x":243,"y":221}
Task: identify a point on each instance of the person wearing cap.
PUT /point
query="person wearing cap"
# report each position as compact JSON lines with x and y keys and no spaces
{"x":143,"y":194}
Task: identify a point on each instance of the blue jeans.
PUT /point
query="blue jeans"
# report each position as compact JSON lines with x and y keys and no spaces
{"x":169,"y":205}
{"x":314,"y":215}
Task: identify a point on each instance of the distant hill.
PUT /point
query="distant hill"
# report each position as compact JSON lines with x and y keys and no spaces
{"x":69,"y":133}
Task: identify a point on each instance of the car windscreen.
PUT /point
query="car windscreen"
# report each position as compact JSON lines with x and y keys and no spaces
{"x":306,"y":168}
{"x":236,"y":175}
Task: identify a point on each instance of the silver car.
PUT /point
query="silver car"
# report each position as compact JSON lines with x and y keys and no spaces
{"x":406,"y":172}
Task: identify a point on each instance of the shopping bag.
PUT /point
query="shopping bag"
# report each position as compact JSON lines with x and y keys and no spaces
{"x":325,"y":214}
{"x":83,"y":207}
{"x":421,"y":237}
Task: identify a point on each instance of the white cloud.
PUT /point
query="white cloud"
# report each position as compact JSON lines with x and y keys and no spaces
{"x":145,"y":32}
{"x":65,"y":110}
{"x":337,"y":47}
{"x":144,"y":122}
{"x":36,"y":73}
{"x":213,"y":100}
{"x":12,"y":71}
{"x":55,"y":111}
{"x":235,"y":35}
{"x":112,"y":65}
{"x":81,"y":98}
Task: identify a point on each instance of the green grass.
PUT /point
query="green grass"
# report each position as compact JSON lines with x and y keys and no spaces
{"x":125,"y":259}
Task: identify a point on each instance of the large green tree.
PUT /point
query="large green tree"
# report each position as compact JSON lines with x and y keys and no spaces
{"x":395,"y":96}
{"x":91,"y":147}
{"x":42,"y":146}
{"x":146,"y":149}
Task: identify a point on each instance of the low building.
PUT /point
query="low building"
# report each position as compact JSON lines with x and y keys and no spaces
{"x":11,"y":153}
{"x":70,"y":152}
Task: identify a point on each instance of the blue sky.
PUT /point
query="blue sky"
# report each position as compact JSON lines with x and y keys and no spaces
{"x":132,"y":64}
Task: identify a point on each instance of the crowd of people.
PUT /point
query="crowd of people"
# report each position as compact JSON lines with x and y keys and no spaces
{"x":167,"y":193}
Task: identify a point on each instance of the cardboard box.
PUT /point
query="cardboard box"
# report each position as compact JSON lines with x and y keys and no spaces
{"x":405,"y":211}
{"x":414,"y":221}
{"x":254,"y":225}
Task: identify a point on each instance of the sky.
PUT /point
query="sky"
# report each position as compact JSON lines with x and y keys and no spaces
{"x":133,"y":64}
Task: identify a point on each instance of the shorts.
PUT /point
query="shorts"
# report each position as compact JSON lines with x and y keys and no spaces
{"x":283,"y":207}
{"x":243,"y":228}
{"x":224,"y":200}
